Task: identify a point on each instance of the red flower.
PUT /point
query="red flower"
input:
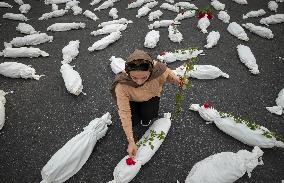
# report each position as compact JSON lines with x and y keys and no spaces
{"x":162,"y":53}
{"x":130,"y":161}
{"x":206,"y":105}
{"x":200,"y":15}
{"x":209,"y":16}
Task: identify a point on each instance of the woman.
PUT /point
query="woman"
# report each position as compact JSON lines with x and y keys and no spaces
{"x":137,"y":92}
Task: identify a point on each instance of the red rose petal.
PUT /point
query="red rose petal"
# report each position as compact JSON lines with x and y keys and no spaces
{"x":206,"y":105}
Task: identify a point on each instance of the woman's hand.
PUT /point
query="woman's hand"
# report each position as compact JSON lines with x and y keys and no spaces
{"x":177,"y":80}
{"x":132,"y":149}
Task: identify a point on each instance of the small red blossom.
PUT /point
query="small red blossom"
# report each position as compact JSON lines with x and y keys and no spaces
{"x":162,"y":53}
{"x":206,"y":105}
{"x":130,"y":161}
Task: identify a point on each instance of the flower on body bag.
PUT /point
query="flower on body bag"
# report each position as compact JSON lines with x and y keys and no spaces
{"x":206,"y":105}
{"x":130,"y":161}
{"x":202,"y":12}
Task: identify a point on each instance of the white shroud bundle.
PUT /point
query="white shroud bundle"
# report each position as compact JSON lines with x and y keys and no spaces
{"x":33,"y":39}
{"x":26,"y":28}
{"x":2,"y":107}
{"x":278,"y":109}
{"x":56,"y":13}
{"x":236,"y":30}
{"x":109,"y":29}
{"x":181,"y":55}
{"x":201,"y":72}
{"x":124,"y":173}
{"x":117,"y":64}
{"x":259,"y":30}
{"x":151,"y":39}
{"x":104,"y":42}
{"x":162,"y":23}
{"x":225,"y":167}
{"x":143,"y":11}
{"x":18,"y":70}
{"x":252,"y":14}
{"x":72,"y":79}
{"x":174,"y":34}
{"x":68,"y":160}
{"x":25,"y":8}
{"x":186,"y":5}
{"x":241,"y":1}
{"x":185,"y":14}
{"x":56,"y":1}
{"x":76,"y":10}
{"x":90,"y":15}
{"x":203,"y":23}
{"x":70,"y":51}
{"x":155,"y":15}
{"x":65,"y":26}
{"x":217,"y":5}
{"x":273,"y":6}
{"x":119,"y":21}
{"x":5,"y":5}
{"x":113,"y":13}
{"x":238,"y":130}
{"x":70,"y":4}
{"x":24,"y":52}
{"x":272,"y":19}
{"x":224,"y":16}
{"x":107,"y":4}
{"x":170,"y":7}
{"x":247,"y":57}
{"x":212,"y":39}
{"x":13,"y":16}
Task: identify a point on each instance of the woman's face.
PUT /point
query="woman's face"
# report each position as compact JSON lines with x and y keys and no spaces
{"x":139,"y":77}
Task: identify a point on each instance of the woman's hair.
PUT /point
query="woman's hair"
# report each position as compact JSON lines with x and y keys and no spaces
{"x":138,"y":65}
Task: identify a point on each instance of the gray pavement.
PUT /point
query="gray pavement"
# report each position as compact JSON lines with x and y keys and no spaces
{"x":41,"y":116}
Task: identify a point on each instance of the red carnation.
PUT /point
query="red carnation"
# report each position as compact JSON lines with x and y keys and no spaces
{"x":206,"y":105}
{"x":209,"y":16}
{"x":130,"y":161}
{"x":162,"y":53}
{"x":200,"y":15}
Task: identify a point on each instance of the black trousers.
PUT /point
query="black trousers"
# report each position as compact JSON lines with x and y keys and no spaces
{"x":144,"y":111}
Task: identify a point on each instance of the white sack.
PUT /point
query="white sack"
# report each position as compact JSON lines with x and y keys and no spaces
{"x":170,"y":7}
{"x":13,"y":16}
{"x":155,"y":15}
{"x":201,"y":72}
{"x":272,"y":5}
{"x":104,"y":42}
{"x":109,"y":29}
{"x":279,"y":1}
{"x":25,"y":8}
{"x":90,"y":15}
{"x":26,"y":28}
{"x":186,"y":5}
{"x":212,"y":39}
{"x":185,"y":14}
{"x":53,"y":14}
{"x":272,"y":19}
{"x":259,"y":30}
{"x":65,"y":26}
{"x":68,"y":160}
{"x":225,"y":167}
{"x":136,"y":4}
{"x":280,"y":104}
{"x":70,"y":51}
{"x":252,"y":14}
{"x":76,"y":10}
{"x":174,"y":34}
{"x":113,"y":13}
{"x":124,"y":173}
{"x":54,"y":7}
{"x":2,"y":107}
{"x":56,"y":1}
{"x":107,"y":4}
{"x":162,"y":23}
{"x":33,"y":39}
{"x":181,"y":55}
{"x":94,"y":2}
{"x":72,"y":79}
{"x":203,"y":24}
{"x":24,"y":52}
{"x":224,"y":16}
{"x":170,"y":1}
{"x":117,"y":64}
{"x":151,"y":39}
{"x":241,"y":1}
{"x":151,"y":4}
{"x":18,"y":70}
{"x":70,"y":4}
{"x":119,"y":21}
{"x":236,"y":30}
{"x":247,"y":57}
{"x":5,"y":5}
{"x":19,"y":2}
{"x":217,"y":5}
{"x":143,"y":11}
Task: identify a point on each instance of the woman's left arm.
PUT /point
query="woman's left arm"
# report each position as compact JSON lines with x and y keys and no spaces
{"x":172,"y":77}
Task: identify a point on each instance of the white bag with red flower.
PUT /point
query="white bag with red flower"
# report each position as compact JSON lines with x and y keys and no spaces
{"x":250,"y":134}
{"x":124,"y":173}
{"x":203,"y":23}
{"x":225,"y":167}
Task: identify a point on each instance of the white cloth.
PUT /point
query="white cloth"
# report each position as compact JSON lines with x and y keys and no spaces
{"x":56,"y":13}
{"x":107,"y":4}
{"x":257,"y":13}
{"x":184,"y":15}
{"x":104,"y":42}
{"x":13,"y":16}
{"x":26,"y":28}
{"x":2,"y":107}
{"x":56,"y":1}
{"x":113,"y":13}
{"x":65,"y":26}
{"x":162,"y":23}
{"x":33,"y":39}
{"x":273,"y":6}
{"x":18,"y":70}
{"x":155,"y":15}
{"x":119,"y":21}
{"x":203,"y":23}
{"x":143,"y":11}
{"x":151,"y":39}
{"x":68,"y":160}
{"x":224,"y":16}
{"x":280,"y":104}
{"x":90,"y":15}
{"x":170,"y":7}
{"x":117,"y":64}
{"x":5,"y":5}
{"x":217,"y":5}
{"x":247,"y":57}
{"x":25,"y":8}
{"x":241,"y":1}
{"x":236,"y":30}
{"x":181,"y":55}
{"x":225,"y":167}
{"x":109,"y":29}
{"x":70,"y":51}
{"x":174,"y":34}
{"x":272,"y":19}
{"x":212,"y":39}
{"x":72,"y":79}
{"x":259,"y":30}
{"x":24,"y":52}
{"x":77,"y":10}
{"x":124,"y":173}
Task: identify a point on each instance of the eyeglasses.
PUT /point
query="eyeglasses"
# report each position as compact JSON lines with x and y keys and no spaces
{"x":138,"y":67}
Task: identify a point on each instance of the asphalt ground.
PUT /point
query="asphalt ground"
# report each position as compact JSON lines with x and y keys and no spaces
{"x":41,"y":116}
